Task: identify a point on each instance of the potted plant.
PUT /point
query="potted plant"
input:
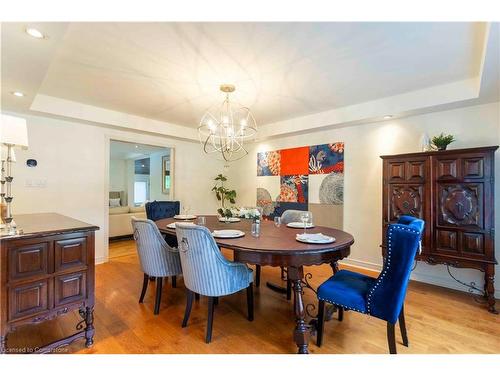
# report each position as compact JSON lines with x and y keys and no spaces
{"x":223,"y":195}
{"x":442,"y":140}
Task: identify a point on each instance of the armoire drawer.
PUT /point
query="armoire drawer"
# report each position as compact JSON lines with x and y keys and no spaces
{"x":30,"y":298}
{"x":69,"y":288}
{"x":29,"y":260}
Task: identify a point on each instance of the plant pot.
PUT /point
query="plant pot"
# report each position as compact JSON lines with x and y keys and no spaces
{"x":442,"y":148}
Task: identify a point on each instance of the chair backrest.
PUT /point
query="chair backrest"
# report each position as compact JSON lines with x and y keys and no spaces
{"x":290,"y":216}
{"x":162,"y":209}
{"x":155,"y":256}
{"x":386,"y":297}
{"x":205,"y":270}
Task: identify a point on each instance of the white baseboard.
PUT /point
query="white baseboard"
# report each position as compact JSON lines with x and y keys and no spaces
{"x":101,"y":260}
{"x":445,"y":281}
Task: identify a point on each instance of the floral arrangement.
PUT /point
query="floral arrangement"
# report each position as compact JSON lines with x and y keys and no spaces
{"x":243,"y":212}
{"x":248,"y":213}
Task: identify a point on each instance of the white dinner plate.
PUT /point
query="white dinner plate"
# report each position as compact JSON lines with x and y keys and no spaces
{"x":185,"y":217}
{"x":228,"y":233}
{"x":314,"y":238}
{"x":229,"y":220}
{"x":299,"y":225}
{"x":172,"y":225}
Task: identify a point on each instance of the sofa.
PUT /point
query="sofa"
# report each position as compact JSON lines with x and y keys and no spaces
{"x":120,"y":220}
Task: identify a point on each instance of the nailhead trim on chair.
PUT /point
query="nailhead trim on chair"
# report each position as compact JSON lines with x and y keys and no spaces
{"x":388,"y":260}
{"x":340,"y":305}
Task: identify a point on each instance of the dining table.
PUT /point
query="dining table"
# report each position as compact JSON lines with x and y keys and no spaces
{"x":277,"y":246}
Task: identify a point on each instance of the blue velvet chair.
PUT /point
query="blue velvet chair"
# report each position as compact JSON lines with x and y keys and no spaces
{"x":157,"y":210}
{"x":208,"y":273}
{"x":381,"y":297}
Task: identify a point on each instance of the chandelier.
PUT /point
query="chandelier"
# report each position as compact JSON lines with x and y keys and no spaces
{"x":225,"y":128}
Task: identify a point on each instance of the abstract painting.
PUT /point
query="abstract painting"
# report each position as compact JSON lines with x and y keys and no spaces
{"x":303,"y":178}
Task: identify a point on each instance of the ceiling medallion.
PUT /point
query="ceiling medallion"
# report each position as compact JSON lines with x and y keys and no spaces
{"x":224,"y":129}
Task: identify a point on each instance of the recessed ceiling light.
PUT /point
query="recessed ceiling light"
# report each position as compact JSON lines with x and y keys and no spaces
{"x":387,"y":117}
{"x":136,"y":146}
{"x":34,"y":33}
{"x":17,"y":93}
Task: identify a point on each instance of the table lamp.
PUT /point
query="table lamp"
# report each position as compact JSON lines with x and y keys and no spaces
{"x":13,"y":133}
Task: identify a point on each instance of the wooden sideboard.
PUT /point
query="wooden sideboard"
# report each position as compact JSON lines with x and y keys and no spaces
{"x":453,"y":192}
{"x":45,"y":271}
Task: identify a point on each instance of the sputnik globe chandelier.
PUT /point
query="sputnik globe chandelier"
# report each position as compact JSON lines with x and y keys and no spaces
{"x":224,"y":129}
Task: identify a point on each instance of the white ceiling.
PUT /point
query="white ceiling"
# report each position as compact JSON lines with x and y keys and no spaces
{"x":171,"y":71}
{"x":126,"y":150}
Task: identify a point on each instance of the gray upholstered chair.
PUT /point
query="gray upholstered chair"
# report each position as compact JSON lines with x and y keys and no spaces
{"x":208,"y":273}
{"x":290,"y":216}
{"x":156,"y":257}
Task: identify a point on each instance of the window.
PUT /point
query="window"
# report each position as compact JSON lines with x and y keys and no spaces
{"x":140,"y":192}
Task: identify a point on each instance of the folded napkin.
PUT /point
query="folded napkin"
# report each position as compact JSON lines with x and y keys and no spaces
{"x":313,"y":237}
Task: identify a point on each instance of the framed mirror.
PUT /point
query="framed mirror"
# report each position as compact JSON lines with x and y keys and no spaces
{"x":167,"y":173}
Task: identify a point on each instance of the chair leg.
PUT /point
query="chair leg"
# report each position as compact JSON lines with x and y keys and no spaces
{"x":144,"y":288}
{"x":341,"y":313}
{"x":211,"y":307}
{"x":196,"y":296}
{"x":282,"y":273}
{"x":391,"y":338}
{"x":321,"y":322}
{"x":216,"y":301}
{"x":189,"y":305}
{"x":257,"y":275}
{"x":159,"y":284}
{"x":250,"y":302}
{"x":174,"y":281}
{"x":402,"y":326}
{"x":288,"y":290}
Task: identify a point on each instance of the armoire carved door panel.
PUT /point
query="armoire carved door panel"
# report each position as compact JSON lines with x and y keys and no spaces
{"x":396,"y":171}
{"x":473,"y":167}
{"x":447,"y":169}
{"x":407,"y":199}
{"x":415,"y":170}
{"x":460,"y":204}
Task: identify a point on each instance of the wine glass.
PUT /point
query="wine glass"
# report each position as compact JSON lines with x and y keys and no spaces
{"x":185,"y":209}
{"x":306,"y":218}
{"x":202,"y":221}
{"x":277,"y":221}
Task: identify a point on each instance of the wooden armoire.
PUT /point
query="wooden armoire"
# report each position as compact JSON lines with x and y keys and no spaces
{"x":453,"y":191}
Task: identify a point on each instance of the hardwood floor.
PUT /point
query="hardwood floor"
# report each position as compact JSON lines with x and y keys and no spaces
{"x":119,"y":248}
{"x":438,"y":320}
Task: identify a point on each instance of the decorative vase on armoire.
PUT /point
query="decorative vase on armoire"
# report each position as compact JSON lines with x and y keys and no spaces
{"x":453,"y":191}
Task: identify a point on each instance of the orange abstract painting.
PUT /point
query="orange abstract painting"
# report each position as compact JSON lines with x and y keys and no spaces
{"x":294,"y":161}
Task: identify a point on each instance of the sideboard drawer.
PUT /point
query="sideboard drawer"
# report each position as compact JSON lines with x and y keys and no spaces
{"x":70,"y":288}
{"x":29,"y":260}
{"x":27,"y":299}
{"x":70,"y":253}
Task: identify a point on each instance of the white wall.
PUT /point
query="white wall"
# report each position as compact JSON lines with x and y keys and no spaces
{"x":472,"y":126}
{"x":117,"y":175}
{"x":73,"y":160}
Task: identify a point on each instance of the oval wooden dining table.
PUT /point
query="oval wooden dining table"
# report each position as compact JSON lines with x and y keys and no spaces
{"x":277,"y":247}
